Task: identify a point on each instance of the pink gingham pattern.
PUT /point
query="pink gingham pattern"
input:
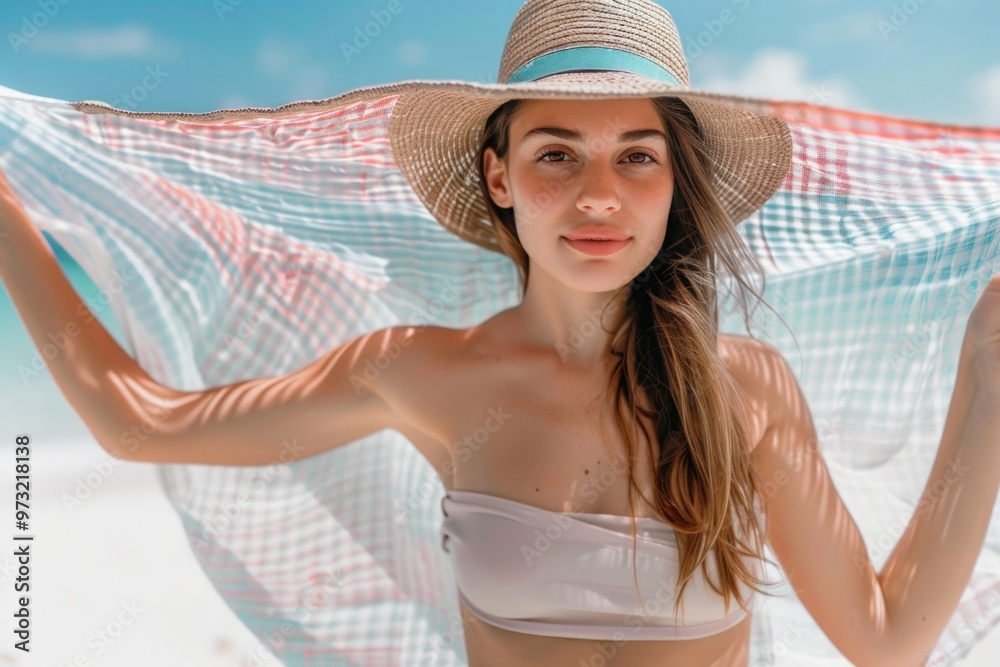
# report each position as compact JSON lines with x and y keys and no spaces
{"x":250,"y":246}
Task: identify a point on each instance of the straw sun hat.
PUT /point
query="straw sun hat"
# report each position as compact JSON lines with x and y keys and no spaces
{"x":576,"y":49}
{"x":556,"y":49}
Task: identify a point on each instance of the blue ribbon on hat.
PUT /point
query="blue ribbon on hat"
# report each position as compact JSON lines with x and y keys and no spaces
{"x":589,"y":58}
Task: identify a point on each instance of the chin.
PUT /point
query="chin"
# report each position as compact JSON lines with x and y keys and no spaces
{"x":613,"y":277}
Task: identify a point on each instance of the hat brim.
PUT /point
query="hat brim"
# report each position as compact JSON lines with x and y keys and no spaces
{"x":435,"y":129}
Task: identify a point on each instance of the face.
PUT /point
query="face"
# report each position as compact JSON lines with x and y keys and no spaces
{"x":586,"y":163}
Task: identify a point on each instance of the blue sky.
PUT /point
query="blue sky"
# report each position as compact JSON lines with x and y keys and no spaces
{"x":924,"y":59}
{"x":928,"y":60}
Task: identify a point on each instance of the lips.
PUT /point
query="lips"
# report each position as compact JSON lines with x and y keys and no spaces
{"x":597,"y":248}
{"x":594,"y":233}
{"x":597,"y":240}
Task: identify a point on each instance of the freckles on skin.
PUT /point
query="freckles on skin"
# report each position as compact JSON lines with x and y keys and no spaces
{"x":549,"y":205}
{"x":558,"y":184}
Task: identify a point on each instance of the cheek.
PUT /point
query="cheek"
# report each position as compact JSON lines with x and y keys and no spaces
{"x":535,"y":198}
{"x":654,"y":202}
{"x":655,"y":193}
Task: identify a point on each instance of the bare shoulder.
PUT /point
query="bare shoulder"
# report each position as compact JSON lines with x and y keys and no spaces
{"x":411,"y":370}
{"x":762,"y":374}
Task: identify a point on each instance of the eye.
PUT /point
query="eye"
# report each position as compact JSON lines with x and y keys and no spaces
{"x":652,"y":160}
{"x":628,"y":158}
{"x":544,"y":155}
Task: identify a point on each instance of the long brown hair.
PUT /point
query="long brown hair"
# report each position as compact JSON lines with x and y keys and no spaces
{"x":706,"y":484}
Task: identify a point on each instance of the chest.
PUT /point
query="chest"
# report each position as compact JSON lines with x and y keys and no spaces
{"x":547,"y":438}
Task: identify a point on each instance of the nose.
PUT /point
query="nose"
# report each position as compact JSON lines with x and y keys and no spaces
{"x":598,"y":190}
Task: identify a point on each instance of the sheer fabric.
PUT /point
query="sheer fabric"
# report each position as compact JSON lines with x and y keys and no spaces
{"x":248,"y":244}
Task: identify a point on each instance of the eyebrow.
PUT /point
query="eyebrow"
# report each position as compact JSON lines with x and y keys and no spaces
{"x":574,"y":135}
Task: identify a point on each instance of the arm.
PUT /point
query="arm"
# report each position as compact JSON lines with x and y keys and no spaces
{"x":256,"y":422}
{"x":894,"y":617}
{"x":269,"y":420}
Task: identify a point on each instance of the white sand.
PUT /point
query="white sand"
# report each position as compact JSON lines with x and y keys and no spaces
{"x":117,"y":563}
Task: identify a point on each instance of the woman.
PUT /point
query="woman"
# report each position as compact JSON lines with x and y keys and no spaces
{"x":625,"y":230}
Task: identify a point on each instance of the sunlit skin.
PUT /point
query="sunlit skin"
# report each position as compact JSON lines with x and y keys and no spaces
{"x":559,"y":183}
{"x":436,"y":391}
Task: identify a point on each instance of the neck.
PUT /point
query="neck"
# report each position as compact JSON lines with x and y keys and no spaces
{"x":577,"y":326}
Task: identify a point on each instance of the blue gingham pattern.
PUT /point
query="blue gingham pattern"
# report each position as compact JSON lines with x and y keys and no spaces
{"x":250,"y":246}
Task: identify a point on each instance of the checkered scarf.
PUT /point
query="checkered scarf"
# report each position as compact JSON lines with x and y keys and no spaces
{"x":250,"y":247}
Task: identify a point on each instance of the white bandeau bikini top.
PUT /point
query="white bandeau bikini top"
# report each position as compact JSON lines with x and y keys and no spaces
{"x":566,"y":574}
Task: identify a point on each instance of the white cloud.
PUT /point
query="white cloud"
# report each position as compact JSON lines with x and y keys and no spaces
{"x":985,"y":88}
{"x":861,"y":25}
{"x":288,"y":61}
{"x":781,"y":74}
{"x":412,"y":52}
{"x":126,"y":41}
{"x":275,"y":57}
